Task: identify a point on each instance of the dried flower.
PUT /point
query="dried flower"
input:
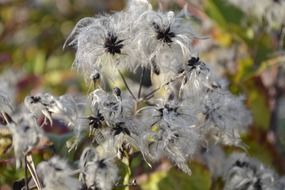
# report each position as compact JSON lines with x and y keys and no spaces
{"x":39,"y":105}
{"x":243,"y":173}
{"x":55,"y":174}
{"x":98,"y":173}
{"x":26,"y":134}
{"x":102,"y":41}
{"x":161,"y":32}
{"x":114,"y":107}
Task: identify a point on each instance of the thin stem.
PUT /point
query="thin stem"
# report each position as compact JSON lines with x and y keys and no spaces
{"x":141,"y":81}
{"x":126,"y":161}
{"x":133,"y":183}
{"x":149,"y":95}
{"x":32,"y":170}
{"x":26,"y":174}
{"x":276,"y":99}
{"x":126,"y":84}
{"x":281,"y":37}
{"x":7,"y":118}
{"x":277,"y":88}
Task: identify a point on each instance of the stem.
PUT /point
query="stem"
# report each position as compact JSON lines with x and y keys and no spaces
{"x":141,"y":80}
{"x":281,"y":37}
{"x":277,"y":88}
{"x":276,"y":99}
{"x":127,"y":86}
{"x":26,"y":174}
{"x":7,"y":118}
{"x":32,"y":170}
{"x":149,"y":95}
{"x":127,"y":177}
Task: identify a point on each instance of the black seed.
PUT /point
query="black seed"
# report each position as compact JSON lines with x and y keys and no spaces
{"x":163,"y":35}
{"x":194,"y":61}
{"x":117,"y":91}
{"x":161,"y":111}
{"x":258,"y":185}
{"x":35,"y":99}
{"x":241,"y":164}
{"x":20,"y":185}
{"x":95,"y":122}
{"x":118,"y":129}
{"x":101,"y":164}
{"x":155,"y":67}
{"x":100,"y":116}
{"x":113,"y":45}
{"x":168,"y":108}
{"x":180,"y":70}
{"x":96,"y":76}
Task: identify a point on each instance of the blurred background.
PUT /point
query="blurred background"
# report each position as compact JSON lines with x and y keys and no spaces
{"x":246,"y":47}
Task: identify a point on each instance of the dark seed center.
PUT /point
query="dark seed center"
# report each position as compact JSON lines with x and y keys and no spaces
{"x":241,"y":164}
{"x":194,"y":61}
{"x":102,"y":164}
{"x":164,"y":35}
{"x":113,"y":45}
{"x":35,"y":99}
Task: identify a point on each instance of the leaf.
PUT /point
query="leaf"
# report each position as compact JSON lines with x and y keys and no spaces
{"x":259,"y":108}
{"x":125,"y":172}
{"x":226,"y":15}
{"x":245,"y":70}
{"x":270,"y":63}
{"x":59,"y":142}
{"x":260,"y":152}
{"x":39,"y":63}
{"x":176,"y":179}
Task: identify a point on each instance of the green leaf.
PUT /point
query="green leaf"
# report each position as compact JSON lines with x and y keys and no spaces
{"x":39,"y":62}
{"x":125,"y":172}
{"x":259,"y":108}
{"x":268,"y":64}
{"x":223,"y":13}
{"x":260,"y":152}
{"x":245,"y":71}
{"x":59,"y":142}
{"x":176,"y":179}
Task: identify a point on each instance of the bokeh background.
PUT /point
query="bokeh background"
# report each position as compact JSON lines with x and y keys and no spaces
{"x":247,"y":50}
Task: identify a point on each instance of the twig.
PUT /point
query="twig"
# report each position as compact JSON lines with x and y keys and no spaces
{"x":7,"y":118}
{"x":141,"y":80}
{"x":281,"y":37}
{"x":32,"y":170}
{"x":277,"y":88}
{"x":26,"y":174}
{"x":133,"y":183}
{"x":126,"y":84}
{"x":149,"y":95}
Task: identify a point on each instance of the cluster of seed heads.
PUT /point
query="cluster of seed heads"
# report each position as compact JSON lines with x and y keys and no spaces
{"x":187,"y":108}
